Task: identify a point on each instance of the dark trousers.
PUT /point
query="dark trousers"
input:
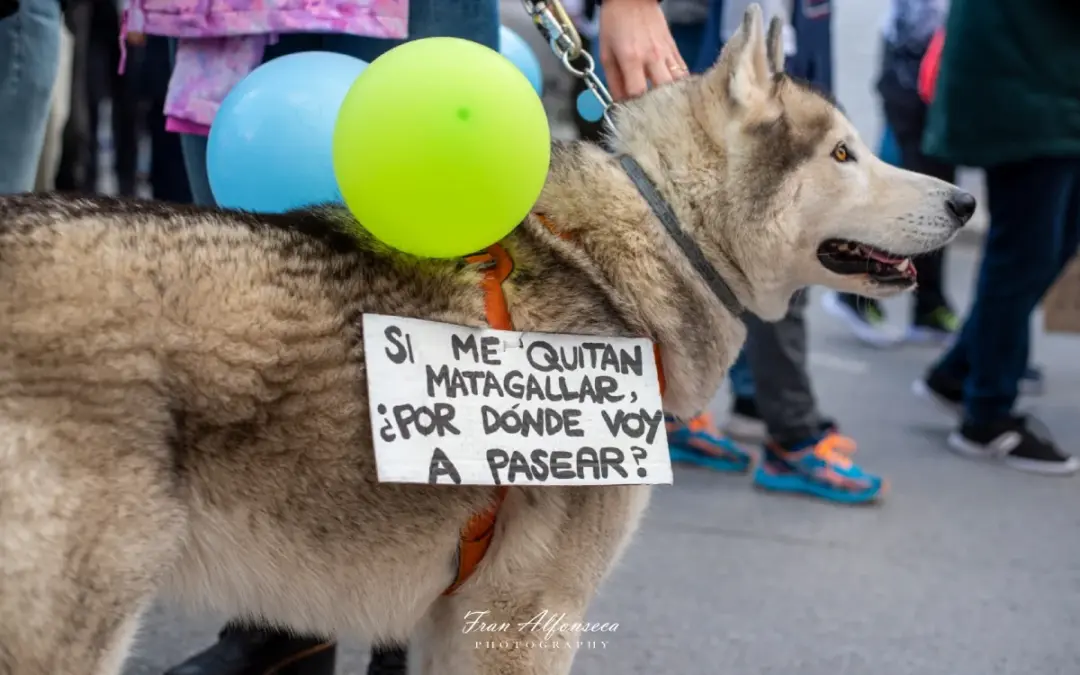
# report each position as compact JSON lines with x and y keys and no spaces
{"x":905,"y":113}
{"x":95,"y":25}
{"x":168,"y":177}
{"x":908,"y":124}
{"x":1034,"y":230}
{"x":772,"y":369}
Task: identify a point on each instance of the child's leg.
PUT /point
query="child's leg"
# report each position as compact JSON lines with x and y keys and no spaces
{"x":777,"y":357}
{"x":168,"y":180}
{"x":804,"y":453}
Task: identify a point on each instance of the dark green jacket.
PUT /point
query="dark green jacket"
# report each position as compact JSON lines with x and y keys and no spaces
{"x":1009,"y":85}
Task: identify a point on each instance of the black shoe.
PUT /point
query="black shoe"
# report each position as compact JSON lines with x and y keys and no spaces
{"x":828,"y":426}
{"x":242,"y":650}
{"x":945,"y":392}
{"x":1012,"y":442}
{"x":744,"y":422}
{"x":392,"y":661}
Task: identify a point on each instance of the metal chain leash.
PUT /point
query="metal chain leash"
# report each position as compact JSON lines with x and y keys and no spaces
{"x":555,"y":25}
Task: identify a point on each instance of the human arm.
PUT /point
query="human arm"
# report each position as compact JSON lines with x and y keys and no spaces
{"x":636,"y":47}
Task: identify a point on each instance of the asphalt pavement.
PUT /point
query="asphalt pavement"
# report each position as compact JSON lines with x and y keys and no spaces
{"x":966,"y":569}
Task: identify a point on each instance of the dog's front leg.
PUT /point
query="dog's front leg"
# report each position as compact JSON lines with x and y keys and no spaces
{"x":489,"y":626}
{"x":522,"y":613}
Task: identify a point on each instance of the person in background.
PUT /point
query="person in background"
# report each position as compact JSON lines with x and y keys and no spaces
{"x":1007,"y":100}
{"x":168,"y":179}
{"x":95,"y":79}
{"x":639,"y":48}
{"x":59,"y":109}
{"x":29,"y":60}
{"x":906,"y":35}
{"x":905,"y":38}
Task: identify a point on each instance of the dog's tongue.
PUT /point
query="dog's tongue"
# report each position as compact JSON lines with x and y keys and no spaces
{"x":880,"y":256}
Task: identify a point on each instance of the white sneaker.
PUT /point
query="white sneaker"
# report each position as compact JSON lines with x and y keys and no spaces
{"x":863,"y":317}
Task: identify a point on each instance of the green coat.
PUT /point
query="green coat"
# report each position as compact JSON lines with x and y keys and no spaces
{"x":1009,"y":85}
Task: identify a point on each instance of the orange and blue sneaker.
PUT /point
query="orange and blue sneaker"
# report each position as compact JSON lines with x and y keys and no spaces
{"x":821,"y":467}
{"x":698,"y":442}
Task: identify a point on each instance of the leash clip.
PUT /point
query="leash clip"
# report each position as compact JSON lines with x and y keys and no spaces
{"x":553,"y":22}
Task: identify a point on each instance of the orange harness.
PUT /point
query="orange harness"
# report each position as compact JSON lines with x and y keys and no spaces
{"x":477,"y":534}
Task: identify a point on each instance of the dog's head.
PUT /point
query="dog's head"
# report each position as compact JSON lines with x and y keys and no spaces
{"x":775,"y":184}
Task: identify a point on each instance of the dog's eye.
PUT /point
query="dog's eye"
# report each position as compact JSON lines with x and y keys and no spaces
{"x":841,"y":154}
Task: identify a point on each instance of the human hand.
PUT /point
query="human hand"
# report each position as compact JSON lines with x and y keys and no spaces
{"x":136,"y":39}
{"x":636,"y":47}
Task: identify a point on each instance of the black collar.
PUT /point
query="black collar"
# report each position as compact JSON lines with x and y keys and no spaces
{"x":667,"y":217}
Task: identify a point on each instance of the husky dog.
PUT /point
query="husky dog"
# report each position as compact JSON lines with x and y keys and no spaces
{"x":183,"y":397}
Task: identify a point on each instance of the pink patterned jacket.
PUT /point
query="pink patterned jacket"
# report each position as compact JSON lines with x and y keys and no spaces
{"x":221,"y":41}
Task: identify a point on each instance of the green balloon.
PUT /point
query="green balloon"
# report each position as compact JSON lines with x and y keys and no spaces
{"x":441,"y":147}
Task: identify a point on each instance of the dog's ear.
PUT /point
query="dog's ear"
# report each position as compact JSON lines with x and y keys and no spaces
{"x":742,"y":72}
{"x":775,"y":42}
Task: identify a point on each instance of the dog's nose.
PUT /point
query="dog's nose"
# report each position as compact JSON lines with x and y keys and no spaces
{"x":962,"y":205}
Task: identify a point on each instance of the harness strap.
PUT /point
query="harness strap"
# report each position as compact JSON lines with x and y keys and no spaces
{"x":476,"y":536}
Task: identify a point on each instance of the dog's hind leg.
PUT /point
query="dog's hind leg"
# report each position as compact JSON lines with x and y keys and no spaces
{"x":88,"y":525}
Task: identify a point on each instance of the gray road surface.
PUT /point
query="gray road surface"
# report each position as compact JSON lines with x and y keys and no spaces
{"x":968,"y":569}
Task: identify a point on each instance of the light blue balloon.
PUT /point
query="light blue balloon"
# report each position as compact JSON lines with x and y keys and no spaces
{"x":589,"y":107}
{"x":271,"y":143}
{"x":514,"y":47}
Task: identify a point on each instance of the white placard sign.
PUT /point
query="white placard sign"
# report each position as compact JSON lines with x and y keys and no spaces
{"x":452,"y":405}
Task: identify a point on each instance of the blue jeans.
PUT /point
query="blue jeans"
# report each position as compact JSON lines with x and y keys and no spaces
{"x":29,"y":58}
{"x":476,"y":20}
{"x":1034,"y":230}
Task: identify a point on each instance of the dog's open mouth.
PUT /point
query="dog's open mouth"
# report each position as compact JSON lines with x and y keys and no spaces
{"x":843,"y":256}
